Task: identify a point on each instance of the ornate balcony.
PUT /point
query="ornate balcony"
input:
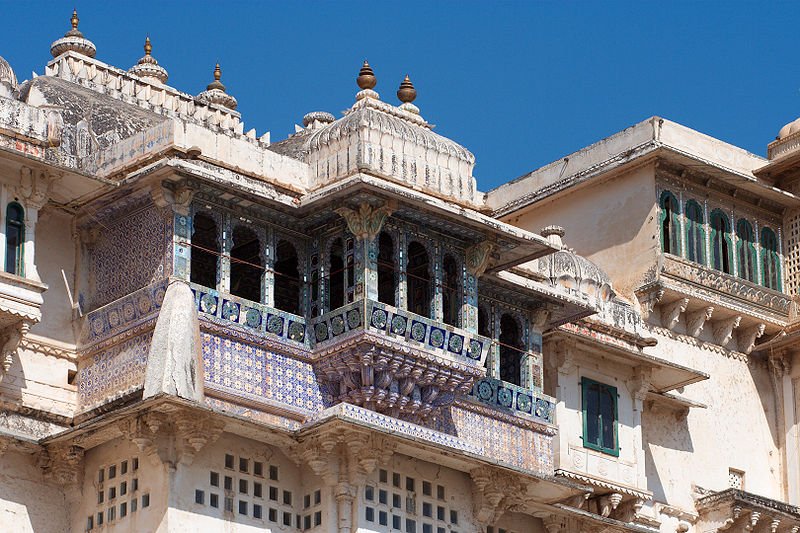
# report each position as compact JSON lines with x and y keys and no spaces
{"x":20,"y":308}
{"x":393,"y":361}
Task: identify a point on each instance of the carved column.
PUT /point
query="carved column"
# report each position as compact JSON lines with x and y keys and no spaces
{"x":34,"y":191}
{"x":178,"y":200}
{"x":476,"y":260}
{"x":534,"y":364}
{"x":365,"y":223}
{"x":639,"y":386}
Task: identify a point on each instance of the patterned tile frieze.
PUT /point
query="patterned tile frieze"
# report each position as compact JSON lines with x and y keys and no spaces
{"x":114,"y":372}
{"x":124,"y":313}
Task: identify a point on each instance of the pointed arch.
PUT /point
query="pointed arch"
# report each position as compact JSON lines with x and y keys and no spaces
{"x":451,"y":291}
{"x":287,"y":278}
{"x":418,"y":285}
{"x":511,"y":353}
{"x":770,"y":260}
{"x":15,"y":239}
{"x":246,"y":264}
{"x":695,"y":233}
{"x":204,"y":268}
{"x":670,"y":223}
{"x":746,"y":250}
{"x":721,"y":256}
{"x":387,"y":271}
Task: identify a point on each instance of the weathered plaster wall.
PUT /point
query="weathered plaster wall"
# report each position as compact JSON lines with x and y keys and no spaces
{"x":737,"y":430}
{"x":39,"y":381}
{"x":27,"y":503}
{"x":606,"y":224}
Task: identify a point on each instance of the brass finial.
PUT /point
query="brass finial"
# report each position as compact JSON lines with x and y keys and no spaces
{"x":148,"y":48}
{"x":216,"y":84}
{"x":74,"y":20}
{"x":406,"y":93}
{"x":217,"y":73}
{"x":366,"y":77}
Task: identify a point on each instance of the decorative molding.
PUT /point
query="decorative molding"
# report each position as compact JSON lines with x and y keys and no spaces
{"x":477,"y":258}
{"x":697,"y":319}
{"x":44,"y":346}
{"x":495,"y":492}
{"x":671,"y":312}
{"x":723,"y":329}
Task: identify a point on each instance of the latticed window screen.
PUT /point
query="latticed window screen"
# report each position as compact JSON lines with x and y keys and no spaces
{"x":735,"y":479}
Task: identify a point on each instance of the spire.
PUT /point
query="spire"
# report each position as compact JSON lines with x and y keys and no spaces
{"x":366,"y":82}
{"x":407,"y":94}
{"x":73,"y":40}
{"x":215,"y":92}
{"x":147,"y":67}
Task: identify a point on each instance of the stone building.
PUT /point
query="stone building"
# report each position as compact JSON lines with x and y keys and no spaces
{"x":203,"y":330}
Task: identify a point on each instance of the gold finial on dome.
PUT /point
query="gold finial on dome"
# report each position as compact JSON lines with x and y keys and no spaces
{"x":366,"y":77}
{"x":406,"y":93}
{"x":217,"y":72}
{"x":215,"y":92}
{"x":148,"y":47}
{"x":73,"y":40}
{"x":147,"y":67}
{"x":216,"y":84}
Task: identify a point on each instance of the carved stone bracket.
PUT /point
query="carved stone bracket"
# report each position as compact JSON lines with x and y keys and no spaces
{"x":62,"y":464}
{"x":747,"y":337}
{"x":179,"y":198}
{"x":639,"y":385}
{"x":649,"y":300}
{"x":540,"y":319}
{"x":671,"y":312}
{"x":477,"y":258}
{"x":194,"y":433}
{"x":697,"y":319}
{"x":366,"y":222}
{"x":723,"y":329}
{"x":780,"y":364}
{"x":495,"y":492}
{"x":10,"y":338}
{"x":35,"y":185}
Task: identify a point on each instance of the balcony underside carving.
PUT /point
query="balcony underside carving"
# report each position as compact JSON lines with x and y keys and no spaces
{"x":734,"y":510}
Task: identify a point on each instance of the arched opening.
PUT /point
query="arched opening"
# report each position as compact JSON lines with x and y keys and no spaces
{"x":670,"y":224}
{"x":419,"y":280}
{"x":770,"y":260}
{"x":287,"y":278}
{"x":451,"y":292}
{"x":484,"y":324}
{"x":246,"y":265}
{"x":695,"y":233}
{"x":387,"y":273}
{"x":336,"y":275}
{"x":720,"y":241}
{"x":15,"y":238}
{"x":511,"y":352}
{"x":746,"y":248}
{"x":205,"y":251}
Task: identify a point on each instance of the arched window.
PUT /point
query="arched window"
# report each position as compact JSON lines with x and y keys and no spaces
{"x":336,"y":275}
{"x":670,"y":224}
{"x":720,"y":241}
{"x":387,"y":273}
{"x":451,"y":291}
{"x":770,"y":260}
{"x":205,"y":251}
{"x":246,"y":265}
{"x":419,"y":280}
{"x":287,"y":278}
{"x":510,"y":350}
{"x":484,"y":323}
{"x":746,"y":250}
{"x":695,"y":233}
{"x":15,"y":238}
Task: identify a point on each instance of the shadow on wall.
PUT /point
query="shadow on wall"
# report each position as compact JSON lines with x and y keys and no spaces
{"x":28,"y":502}
{"x":668,"y":431}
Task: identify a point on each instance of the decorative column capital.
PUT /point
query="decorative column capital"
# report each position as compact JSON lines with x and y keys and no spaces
{"x":366,"y":221}
{"x":35,"y":185}
{"x":477,"y":257}
{"x":178,"y":198}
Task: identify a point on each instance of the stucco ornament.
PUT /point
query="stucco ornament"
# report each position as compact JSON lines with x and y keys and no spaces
{"x":477,"y":257}
{"x":365,"y":222}
{"x":34,"y":186}
{"x":11,"y":337}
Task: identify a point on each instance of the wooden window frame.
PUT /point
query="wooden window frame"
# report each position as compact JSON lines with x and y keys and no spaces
{"x":585,"y":383}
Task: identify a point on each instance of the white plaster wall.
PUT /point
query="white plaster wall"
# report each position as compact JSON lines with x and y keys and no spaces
{"x":605,"y":224}
{"x":737,"y":430}
{"x":27,"y":502}
{"x":39,"y":381}
{"x":572,"y":455}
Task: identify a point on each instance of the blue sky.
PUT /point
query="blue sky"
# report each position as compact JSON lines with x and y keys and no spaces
{"x":519,"y":83}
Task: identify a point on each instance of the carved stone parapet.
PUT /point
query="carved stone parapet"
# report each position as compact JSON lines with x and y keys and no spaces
{"x":477,"y":258}
{"x":747,"y":337}
{"x":62,"y":464}
{"x":671,"y":312}
{"x":697,"y":319}
{"x":366,"y":221}
{"x":723,"y":329}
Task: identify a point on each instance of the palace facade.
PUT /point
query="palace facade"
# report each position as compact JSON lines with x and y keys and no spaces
{"x":205,"y":330}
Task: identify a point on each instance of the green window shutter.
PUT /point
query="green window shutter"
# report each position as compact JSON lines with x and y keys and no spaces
{"x":600,"y":417}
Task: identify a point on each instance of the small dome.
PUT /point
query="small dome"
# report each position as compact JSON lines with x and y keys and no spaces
{"x":567,"y":269}
{"x":148,"y":68}
{"x":7,"y":74}
{"x":790,"y":128}
{"x":73,"y":41}
{"x":215,"y":92}
{"x":323,"y":117}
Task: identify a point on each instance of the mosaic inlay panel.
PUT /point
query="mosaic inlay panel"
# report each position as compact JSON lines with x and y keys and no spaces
{"x":113,"y":372}
{"x":124,"y":313}
{"x":514,"y":399}
{"x":245,"y":369}
{"x":132,"y":250}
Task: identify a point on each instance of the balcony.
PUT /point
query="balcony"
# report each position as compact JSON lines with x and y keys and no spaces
{"x":20,"y":308}
{"x":394,"y":362}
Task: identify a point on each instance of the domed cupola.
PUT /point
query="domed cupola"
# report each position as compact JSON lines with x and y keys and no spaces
{"x":571,"y":271}
{"x":148,"y":68}
{"x":73,"y":41}
{"x":8,"y":81}
{"x":215,"y":92}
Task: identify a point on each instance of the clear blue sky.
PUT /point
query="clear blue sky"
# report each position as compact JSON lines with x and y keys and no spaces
{"x":520,"y":84}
